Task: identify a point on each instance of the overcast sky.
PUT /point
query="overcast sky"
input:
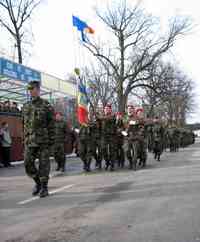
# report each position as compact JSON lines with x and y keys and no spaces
{"x":54,"y":48}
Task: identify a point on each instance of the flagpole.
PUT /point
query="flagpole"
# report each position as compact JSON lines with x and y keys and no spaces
{"x":76,"y":64}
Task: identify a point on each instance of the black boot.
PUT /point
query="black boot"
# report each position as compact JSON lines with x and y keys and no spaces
{"x":135,"y":165}
{"x":58,"y":168}
{"x":37,"y":187}
{"x":99,"y":165}
{"x":112,"y":166}
{"x":62,"y":169}
{"x":88,"y":164}
{"x":44,"y":189}
{"x":130,"y":164}
{"x":84,"y":165}
{"x":107,"y":165}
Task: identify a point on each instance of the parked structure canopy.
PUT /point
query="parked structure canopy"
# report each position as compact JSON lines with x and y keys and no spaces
{"x":15,"y":77}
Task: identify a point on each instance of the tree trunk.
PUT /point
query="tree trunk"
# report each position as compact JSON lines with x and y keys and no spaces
{"x":151,"y":111}
{"x":122,"y":99}
{"x":19,"y":49}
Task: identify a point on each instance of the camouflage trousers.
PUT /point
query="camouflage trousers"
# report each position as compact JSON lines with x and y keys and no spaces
{"x":43,"y":169}
{"x":97,"y":151}
{"x":109,"y":151}
{"x":59,"y":154}
{"x":137,"y":149}
{"x":158,"y":146}
{"x":120,"y":152}
{"x":85,"y":153}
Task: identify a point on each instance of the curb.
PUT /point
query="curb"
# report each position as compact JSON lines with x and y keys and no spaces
{"x":72,"y":155}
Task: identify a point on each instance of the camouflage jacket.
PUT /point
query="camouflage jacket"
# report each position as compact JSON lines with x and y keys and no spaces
{"x":38,"y":122}
{"x":95,"y":128}
{"x":158,"y":132}
{"x":120,"y":127}
{"x":85,"y":133}
{"x":136,"y":130}
{"x":61,"y":131}
{"x":109,"y":127}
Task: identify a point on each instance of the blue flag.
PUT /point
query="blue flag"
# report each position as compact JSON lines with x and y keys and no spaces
{"x":81,"y":26}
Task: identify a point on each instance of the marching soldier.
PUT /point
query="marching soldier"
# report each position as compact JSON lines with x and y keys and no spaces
{"x":85,"y":145}
{"x":158,"y":134}
{"x":109,"y":131}
{"x":38,"y":118}
{"x":96,"y":141}
{"x":136,"y":138}
{"x":61,"y":131}
{"x":130,"y":125}
{"x":120,"y":140}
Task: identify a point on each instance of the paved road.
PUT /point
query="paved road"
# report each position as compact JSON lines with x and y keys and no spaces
{"x":158,"y":204}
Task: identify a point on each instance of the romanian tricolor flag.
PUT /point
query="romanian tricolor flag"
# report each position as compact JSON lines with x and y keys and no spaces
{"x":82,"y":111}
{"x":82,"y":27}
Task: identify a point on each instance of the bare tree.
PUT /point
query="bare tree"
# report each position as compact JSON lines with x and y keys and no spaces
{"x":101,"y":86}
{"x":14,"y":16}
{"x":173,"y":97}
{"x":137,"y":43}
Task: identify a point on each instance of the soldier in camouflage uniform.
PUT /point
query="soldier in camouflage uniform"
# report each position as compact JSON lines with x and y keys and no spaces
{"x":137,"y":147}
{"x":85,"y":149}
{"x":95,"y":125}
{"x":109,"y":132}
{"x":61,"y":131}
{"x":158,"y":134}
{"x":130,"y":152}
{"x":120,"y":140}
{"x":150,"y":135}
{"x":38,"y":118}
{"x":173,"y":134}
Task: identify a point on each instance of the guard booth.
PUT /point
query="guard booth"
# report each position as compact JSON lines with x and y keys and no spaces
{"x":13,"y":88}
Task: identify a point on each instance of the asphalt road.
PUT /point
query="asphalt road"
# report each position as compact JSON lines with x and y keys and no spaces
{"x":158,"y":204}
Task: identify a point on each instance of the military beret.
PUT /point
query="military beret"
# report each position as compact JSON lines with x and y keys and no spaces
{"x":33,"y":84}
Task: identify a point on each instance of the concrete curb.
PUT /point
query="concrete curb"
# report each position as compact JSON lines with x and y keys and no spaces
{"x":72,"y":155}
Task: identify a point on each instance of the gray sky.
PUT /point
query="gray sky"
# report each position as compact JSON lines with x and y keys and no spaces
{"x":55,"y":48}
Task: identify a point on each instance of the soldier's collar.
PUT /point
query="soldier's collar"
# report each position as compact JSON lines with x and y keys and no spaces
{"x":34,"y":99}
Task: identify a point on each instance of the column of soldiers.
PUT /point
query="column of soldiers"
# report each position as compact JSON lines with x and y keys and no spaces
{"x":113,"y":138}
{"x":106,"y":137}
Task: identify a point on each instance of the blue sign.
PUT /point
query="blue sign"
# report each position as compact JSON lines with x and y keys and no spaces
{"x":19,"y":72}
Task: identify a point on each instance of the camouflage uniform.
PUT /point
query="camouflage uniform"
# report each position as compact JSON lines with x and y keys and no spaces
{"x":173,"y":134}
{"x":96,"y":142}
{"x":119,"y":143}
{"x":109,"y":132}
{"x":61,"y":131}
{"x":150,"y":137}
{"x":38,"y":136}
{"x":158,"y":134}
{"x":85,"y":146}
{"x":137,"y":147}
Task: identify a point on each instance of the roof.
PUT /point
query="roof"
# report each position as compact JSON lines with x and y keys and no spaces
{"x":15,"y":77}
